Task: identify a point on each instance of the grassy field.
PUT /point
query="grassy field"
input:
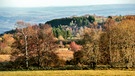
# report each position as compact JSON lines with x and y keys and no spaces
{"x":69,"y":73}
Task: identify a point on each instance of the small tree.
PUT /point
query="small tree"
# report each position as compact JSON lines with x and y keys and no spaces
{"x":5,"y":44}
{"x":91,"y":19}
{"x":74,"y":47}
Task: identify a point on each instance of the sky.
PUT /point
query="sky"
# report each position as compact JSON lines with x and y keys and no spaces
{"x":49,"y":3}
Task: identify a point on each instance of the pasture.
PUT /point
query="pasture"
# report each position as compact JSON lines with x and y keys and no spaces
{"x":69,"y":73}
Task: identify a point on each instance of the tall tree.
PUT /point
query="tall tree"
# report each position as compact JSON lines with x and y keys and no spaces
{"x":90,"y":48}
{"x":107,"y":42}
{"x":123,"y":43}
{"x":22,"y":28}
{"x":117,"y":43}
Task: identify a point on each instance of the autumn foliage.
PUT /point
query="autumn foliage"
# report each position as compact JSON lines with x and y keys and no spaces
{"x":35,"y":45}
{"x":75,"y":47}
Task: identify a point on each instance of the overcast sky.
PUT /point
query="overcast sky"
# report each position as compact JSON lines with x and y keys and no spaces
{"x":46,"y":3}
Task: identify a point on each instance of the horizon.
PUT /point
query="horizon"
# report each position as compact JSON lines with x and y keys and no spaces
{"x":69,"y":6}
{"x":59,"y":3}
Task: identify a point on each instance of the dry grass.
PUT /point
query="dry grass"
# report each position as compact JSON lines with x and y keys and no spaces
{"x":4,"y":58}
{"x":65,"y":54}
{"x":69,"y":73}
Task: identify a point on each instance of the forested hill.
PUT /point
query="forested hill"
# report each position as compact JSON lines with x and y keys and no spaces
{"x":8,"y":32}
{"x":70,"y":21}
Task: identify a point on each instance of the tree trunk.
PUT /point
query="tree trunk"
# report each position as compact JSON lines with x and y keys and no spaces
{"x":110,"y":46}
{"x":26,"y":49}
{"x":26,"y":52}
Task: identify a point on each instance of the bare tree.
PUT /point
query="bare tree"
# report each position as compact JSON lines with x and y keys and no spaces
{"x":21,"y":26}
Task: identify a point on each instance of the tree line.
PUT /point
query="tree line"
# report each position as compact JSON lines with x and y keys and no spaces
{"x":35,"y":45}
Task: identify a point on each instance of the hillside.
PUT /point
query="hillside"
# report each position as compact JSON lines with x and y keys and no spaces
{"x":71,"y":21}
